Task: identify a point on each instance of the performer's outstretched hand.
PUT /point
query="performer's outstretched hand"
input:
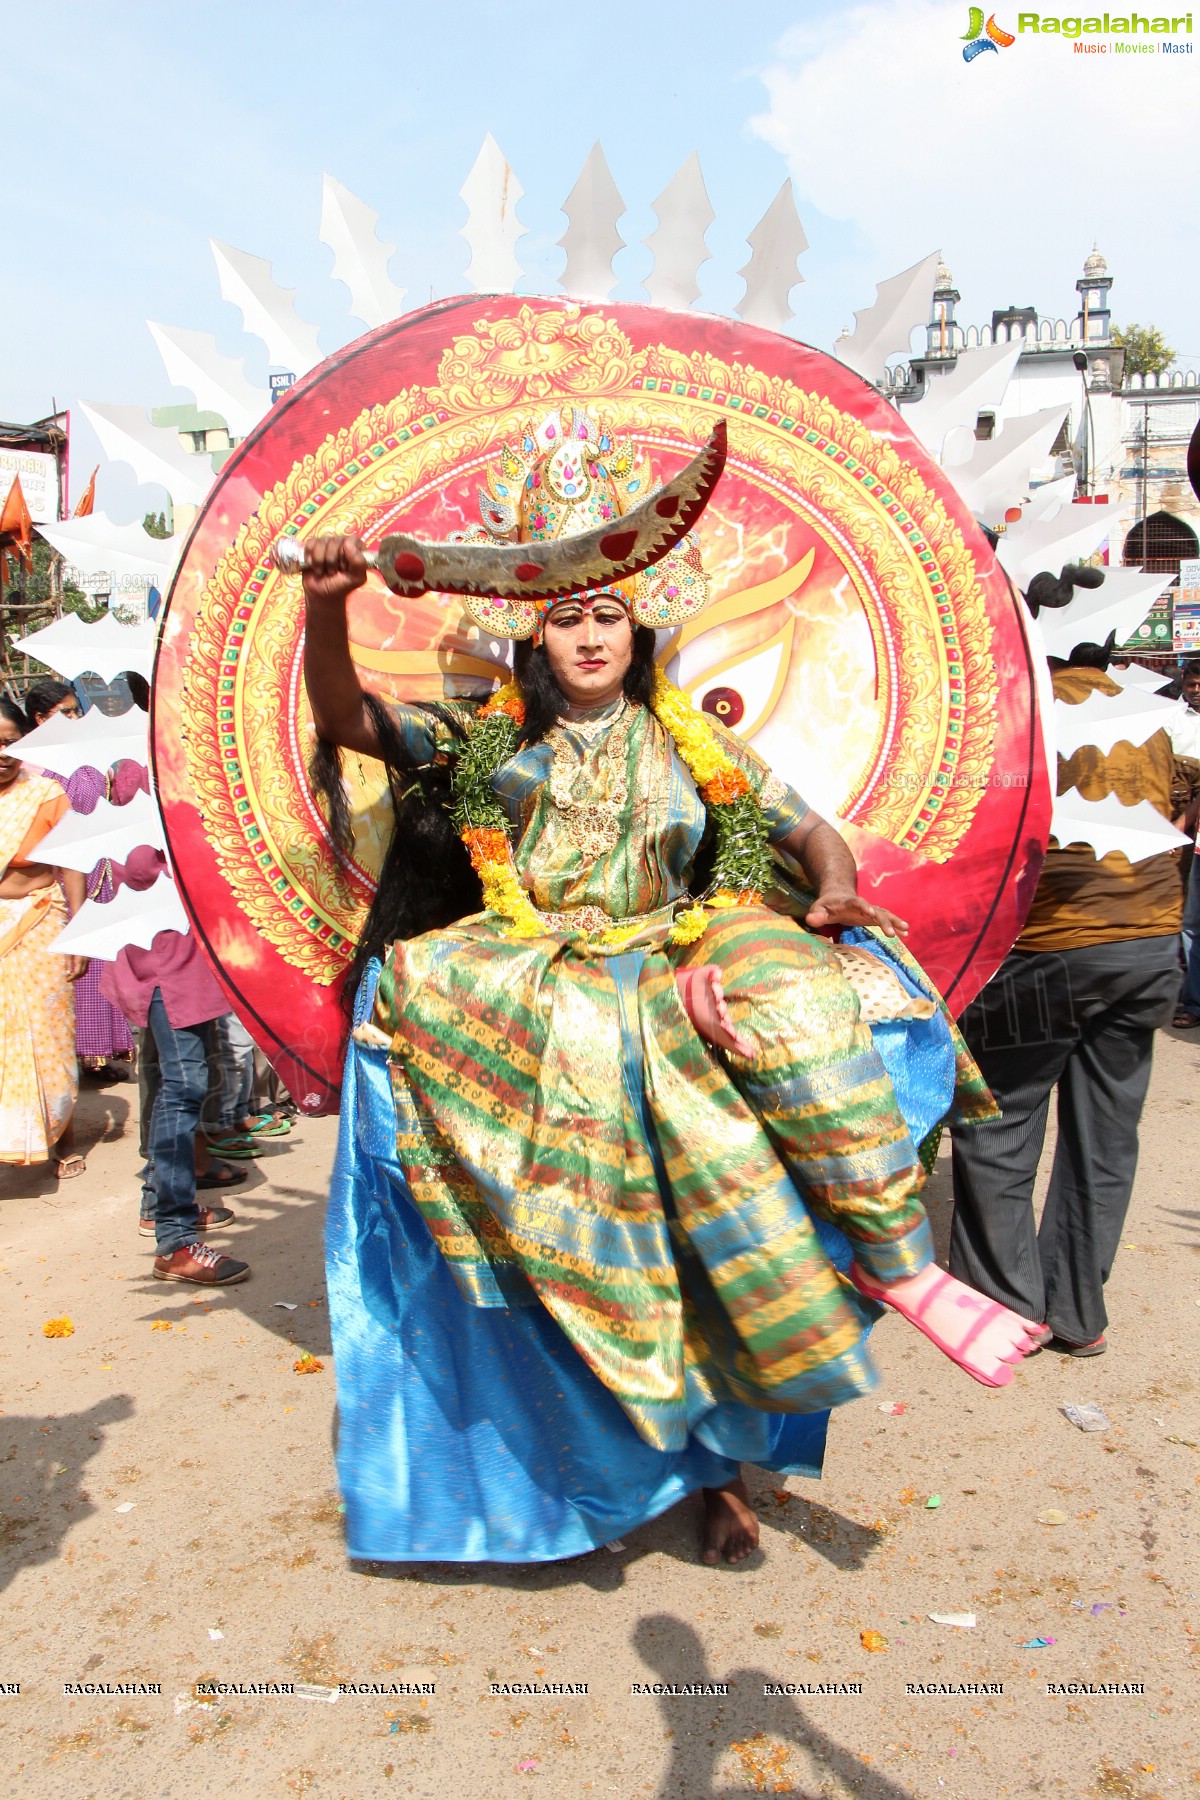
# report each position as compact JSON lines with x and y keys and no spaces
{"x":850,"y":908}
{"x":333,"y":568}
{"x":981,"y":1336}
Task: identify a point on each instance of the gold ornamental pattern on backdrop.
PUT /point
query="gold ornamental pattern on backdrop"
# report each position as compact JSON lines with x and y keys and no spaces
{"x":818,"y":523}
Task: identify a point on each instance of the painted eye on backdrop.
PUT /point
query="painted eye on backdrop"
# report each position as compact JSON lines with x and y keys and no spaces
{"x":759,"y":677}
{"x":725,"y":704}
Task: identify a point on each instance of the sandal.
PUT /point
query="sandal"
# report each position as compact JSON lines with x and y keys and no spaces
{"x":212,"y":1218}
{"x":267,"y":1125}
{"x":989,"y":1339}
{"x":68,"y":1167}
{"x":1097,"y":1347}
{"x":222,"y":1176}
{"x":243,"y":1149}
{"x":1184,"y":1020}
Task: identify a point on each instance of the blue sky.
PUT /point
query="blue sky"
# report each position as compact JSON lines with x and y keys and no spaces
{"x":134,"y":132}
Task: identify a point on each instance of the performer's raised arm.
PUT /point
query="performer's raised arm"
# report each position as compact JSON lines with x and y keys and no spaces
{"x":333,"y":568}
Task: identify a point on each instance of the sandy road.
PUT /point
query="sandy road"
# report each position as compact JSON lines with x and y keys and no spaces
{"x":187,"y":1406}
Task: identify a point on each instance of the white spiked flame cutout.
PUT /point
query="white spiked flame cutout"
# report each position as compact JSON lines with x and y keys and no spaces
{"x":991,"y":476}
{"x":72,"y":647}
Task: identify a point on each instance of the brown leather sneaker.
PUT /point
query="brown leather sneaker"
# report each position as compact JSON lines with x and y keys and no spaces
{"x":202,"y":1264}
{"x":212,"y":1218}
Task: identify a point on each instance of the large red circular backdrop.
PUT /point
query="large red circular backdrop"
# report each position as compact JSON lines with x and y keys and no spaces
{"x":861,"y":634}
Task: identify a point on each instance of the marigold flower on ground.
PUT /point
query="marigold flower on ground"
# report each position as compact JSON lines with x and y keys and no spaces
{"x":308,"y":1364}
{"x":58,"y":1328}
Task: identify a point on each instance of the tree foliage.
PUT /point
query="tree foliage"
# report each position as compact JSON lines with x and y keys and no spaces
{"x":20,"y":615}
{"x":39,"y":590}
{"x":1146,"y":350}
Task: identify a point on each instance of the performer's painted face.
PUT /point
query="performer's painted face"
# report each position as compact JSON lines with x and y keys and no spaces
{"x":589,"y":645}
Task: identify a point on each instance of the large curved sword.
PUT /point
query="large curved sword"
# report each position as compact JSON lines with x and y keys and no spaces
{"x":541,"y":571}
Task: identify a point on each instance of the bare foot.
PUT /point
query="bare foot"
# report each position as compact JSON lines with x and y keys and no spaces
{"x":704,"y":1000}
{"x":730,"y":1524}
{"x":980,"y":1335}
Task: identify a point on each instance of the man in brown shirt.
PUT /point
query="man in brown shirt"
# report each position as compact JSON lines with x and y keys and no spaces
{"x":1074,"y":1006}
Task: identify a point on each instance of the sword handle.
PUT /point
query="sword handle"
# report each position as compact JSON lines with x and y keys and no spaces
{"x":288,"y":556}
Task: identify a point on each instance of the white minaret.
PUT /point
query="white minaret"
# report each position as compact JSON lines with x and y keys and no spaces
{"x":1095,"y":319}
{"x":943,"y":334}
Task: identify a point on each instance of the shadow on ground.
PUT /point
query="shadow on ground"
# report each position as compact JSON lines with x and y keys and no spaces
{"x":1186,"y":1222}
{"x":102,"y":1115}
{"x":43,"y":1463}
{"x":759,"y":1731}
{"x":279,"y":1230}
{"x":675,"y":1534}
{"x":841,"y":1541}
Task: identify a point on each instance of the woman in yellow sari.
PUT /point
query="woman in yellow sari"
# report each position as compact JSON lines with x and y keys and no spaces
{"x":39,"y":1077}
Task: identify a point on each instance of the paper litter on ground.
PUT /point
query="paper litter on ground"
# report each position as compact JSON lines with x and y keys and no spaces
{"x":1087,"y":1415}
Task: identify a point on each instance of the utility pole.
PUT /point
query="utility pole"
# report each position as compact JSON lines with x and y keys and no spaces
{"x":1145,"y":476}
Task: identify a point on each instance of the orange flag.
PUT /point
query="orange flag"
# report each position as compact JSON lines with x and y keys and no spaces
{"x":16,"y":527}
{"x":87,"y":499}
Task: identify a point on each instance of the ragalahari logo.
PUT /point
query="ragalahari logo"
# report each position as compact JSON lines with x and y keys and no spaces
{"x":980,"y":37}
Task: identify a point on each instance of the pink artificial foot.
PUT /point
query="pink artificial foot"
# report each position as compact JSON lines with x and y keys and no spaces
{"x":980,"y":1335}
{"x":704,"y":1000}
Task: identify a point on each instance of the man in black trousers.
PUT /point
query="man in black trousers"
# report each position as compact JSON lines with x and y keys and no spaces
{"x":1074,"y":1007}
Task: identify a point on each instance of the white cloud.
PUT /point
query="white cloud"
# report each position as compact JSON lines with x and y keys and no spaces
{"x":1013,"y":163}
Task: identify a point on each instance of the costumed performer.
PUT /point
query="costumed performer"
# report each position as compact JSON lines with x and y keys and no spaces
{"x":39,"y":1076}
{"x":621,"y":1167}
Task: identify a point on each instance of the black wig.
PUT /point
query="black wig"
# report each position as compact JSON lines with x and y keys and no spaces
{"x":426,"y":880}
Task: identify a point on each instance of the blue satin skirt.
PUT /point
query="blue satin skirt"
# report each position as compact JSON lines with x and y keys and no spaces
{"x":476,"y":1434}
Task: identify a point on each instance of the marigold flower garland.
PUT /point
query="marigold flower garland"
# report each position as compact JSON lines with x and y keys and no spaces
{"x":742,"y":866}
{"x":481,"y":821}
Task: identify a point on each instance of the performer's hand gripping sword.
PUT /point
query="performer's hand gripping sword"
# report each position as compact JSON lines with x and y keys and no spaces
{"x":541,"y":571}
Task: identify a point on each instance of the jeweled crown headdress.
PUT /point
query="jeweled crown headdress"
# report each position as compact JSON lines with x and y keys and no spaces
{"x":563,"y":516}
{"x":564,"y":477}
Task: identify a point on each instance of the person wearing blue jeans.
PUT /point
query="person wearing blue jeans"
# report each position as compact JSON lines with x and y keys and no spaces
{"x":183,"y":1084}
{"x":183,"y":1052}
{"x":170,"y":991}
{"x":209,"y":1172}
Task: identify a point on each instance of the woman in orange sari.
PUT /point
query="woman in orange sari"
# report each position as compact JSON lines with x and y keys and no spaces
{"x":39,"y":1077}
